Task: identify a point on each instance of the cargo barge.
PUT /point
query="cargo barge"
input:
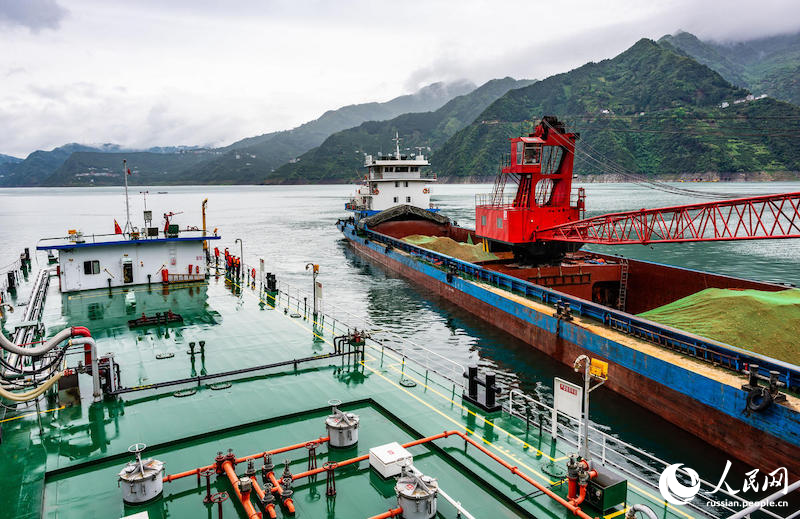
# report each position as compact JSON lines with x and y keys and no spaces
{"x":543,"y":289}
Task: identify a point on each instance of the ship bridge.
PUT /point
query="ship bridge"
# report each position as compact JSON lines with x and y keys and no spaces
{"x":392,"y":180}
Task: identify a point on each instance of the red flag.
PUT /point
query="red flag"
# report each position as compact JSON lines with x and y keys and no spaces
{"x":129,"y":171}
{"x":117,"y":228}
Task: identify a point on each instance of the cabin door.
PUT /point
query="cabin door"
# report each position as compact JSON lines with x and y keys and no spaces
{"x":127,"y":272}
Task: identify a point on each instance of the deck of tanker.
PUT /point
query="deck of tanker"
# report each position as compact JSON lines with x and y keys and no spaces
{"x":63,"y":461}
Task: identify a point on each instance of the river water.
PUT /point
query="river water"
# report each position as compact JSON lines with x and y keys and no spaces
{"x":290,"y":226}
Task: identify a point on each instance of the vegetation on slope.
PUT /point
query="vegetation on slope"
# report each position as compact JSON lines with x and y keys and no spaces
{"x":764,"y":66}
{"x":650,"y":109}
{"x":341,"y":157}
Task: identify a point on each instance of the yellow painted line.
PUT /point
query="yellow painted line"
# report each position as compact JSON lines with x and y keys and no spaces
{"x":488,"y":422}
{"x":614,"y":514}
{"x":470,"y":431}
{"x":32,"y":414}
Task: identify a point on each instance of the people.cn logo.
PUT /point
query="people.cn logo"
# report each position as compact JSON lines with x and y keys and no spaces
{"x":673,"y":490}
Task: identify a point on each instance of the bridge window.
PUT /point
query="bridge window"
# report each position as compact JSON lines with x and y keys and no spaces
{"x":388,"y":169}
{"x":91,"y":267}
{"x":533,"y":153}
{"x":499,"y":223}
{"x":520,"y":144}
{"x":483,"y":220}
{"x":414,"y":169}
{"x":401,"y":169}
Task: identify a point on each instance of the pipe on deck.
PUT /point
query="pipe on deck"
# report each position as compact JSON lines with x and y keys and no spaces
{"x":270,"y":508}
{"x":192,"y":472}
{"x":276,"y":488}
{"x":514,"y":470}
{"x":243,"y":499}
{"x":389,"y":513}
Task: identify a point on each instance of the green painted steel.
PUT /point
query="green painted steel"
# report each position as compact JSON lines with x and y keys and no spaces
{"x":63,"y":461}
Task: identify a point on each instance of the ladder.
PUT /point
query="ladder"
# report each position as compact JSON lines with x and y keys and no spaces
{"x":623,"y":284}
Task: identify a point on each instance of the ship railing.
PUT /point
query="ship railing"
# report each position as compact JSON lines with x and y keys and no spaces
{"x":618,"y":454}
{"x":334,"y":319}
{"x":499,"y":201}
{"x":13,"y":267}
{"x":710,"y":351}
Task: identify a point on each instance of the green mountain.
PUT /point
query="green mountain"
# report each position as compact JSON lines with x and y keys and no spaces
{"x":649,"y":110}
{"x":251,"y":160}
{"x":341,"y":156}
{"x":8,"y":159}
{"x":764,"y":66}
{"x":37,"y":166}
{"x":90,"y":168}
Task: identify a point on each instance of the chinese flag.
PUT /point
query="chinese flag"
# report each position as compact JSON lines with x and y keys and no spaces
{"x":129,"y":171}
{"x":117,"y":228}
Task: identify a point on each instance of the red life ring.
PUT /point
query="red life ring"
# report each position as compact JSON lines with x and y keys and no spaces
{"x":426,"y":190}
{"x":375,"y":191}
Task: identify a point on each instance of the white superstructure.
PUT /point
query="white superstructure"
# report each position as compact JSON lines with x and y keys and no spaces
{"x":393,"y":180}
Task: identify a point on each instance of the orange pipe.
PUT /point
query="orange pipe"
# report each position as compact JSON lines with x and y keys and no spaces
{"x":581,"y":496}
{"x":244,"y":500}
{"x":386,"y":515}
{"x":179,"y":475}
{"x":276,"y":488}
{"x":260,"y":491}
{"x":514,"y":470}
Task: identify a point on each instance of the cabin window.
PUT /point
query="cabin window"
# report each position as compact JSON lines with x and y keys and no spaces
{"x":519,"y":152}
{"x":408,"y":199}
{"x":388,"y":169}
{"x":91,"y":267}
{"x":401,"y":169}
{"x":406,"y":183}
{"x":396,"y":183}
{"x":414,"y":169}
{"x":395,"y":200}
{"x":483,"y":220}
{"x":533,"y":153}
{"x":499,"y":223}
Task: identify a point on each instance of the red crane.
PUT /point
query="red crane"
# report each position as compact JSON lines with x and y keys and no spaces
{"x":754,"y":218}
{"x":544,"y":220}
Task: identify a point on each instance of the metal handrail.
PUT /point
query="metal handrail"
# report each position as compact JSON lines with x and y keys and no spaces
{"x":456,"y":368}
{"x":605,"y":448}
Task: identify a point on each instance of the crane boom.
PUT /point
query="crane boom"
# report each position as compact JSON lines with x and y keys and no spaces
{"x":752,"y":218}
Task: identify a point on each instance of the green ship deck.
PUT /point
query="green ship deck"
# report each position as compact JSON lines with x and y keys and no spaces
{"x":63,"y":462}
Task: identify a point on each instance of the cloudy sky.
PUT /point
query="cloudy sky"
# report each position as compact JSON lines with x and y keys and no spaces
{"x":156,"y":72}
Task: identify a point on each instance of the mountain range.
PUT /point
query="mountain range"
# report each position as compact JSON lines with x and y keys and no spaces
{"x":244,"y":161}
{"x":678,"y":105}
{"x":341,"y":156}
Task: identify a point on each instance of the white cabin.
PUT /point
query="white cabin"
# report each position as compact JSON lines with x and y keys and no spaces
{"x":393,"y":180}
{"x":89,"y":262}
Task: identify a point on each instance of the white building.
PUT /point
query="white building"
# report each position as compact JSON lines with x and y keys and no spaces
{"x":393,"y":180}
{"x":86,"y":263}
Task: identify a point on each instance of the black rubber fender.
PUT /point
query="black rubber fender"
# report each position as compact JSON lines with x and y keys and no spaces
{"x":758,"y":399}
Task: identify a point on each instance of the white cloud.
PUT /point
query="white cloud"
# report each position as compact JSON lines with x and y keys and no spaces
{"x":207,"y":72}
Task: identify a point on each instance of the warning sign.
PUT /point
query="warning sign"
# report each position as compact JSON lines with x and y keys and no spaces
{"x":568,"y":398}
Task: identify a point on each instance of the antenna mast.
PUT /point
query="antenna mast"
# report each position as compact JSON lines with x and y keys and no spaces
{"x":396,"y":145}
{"x":128,"y":226}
